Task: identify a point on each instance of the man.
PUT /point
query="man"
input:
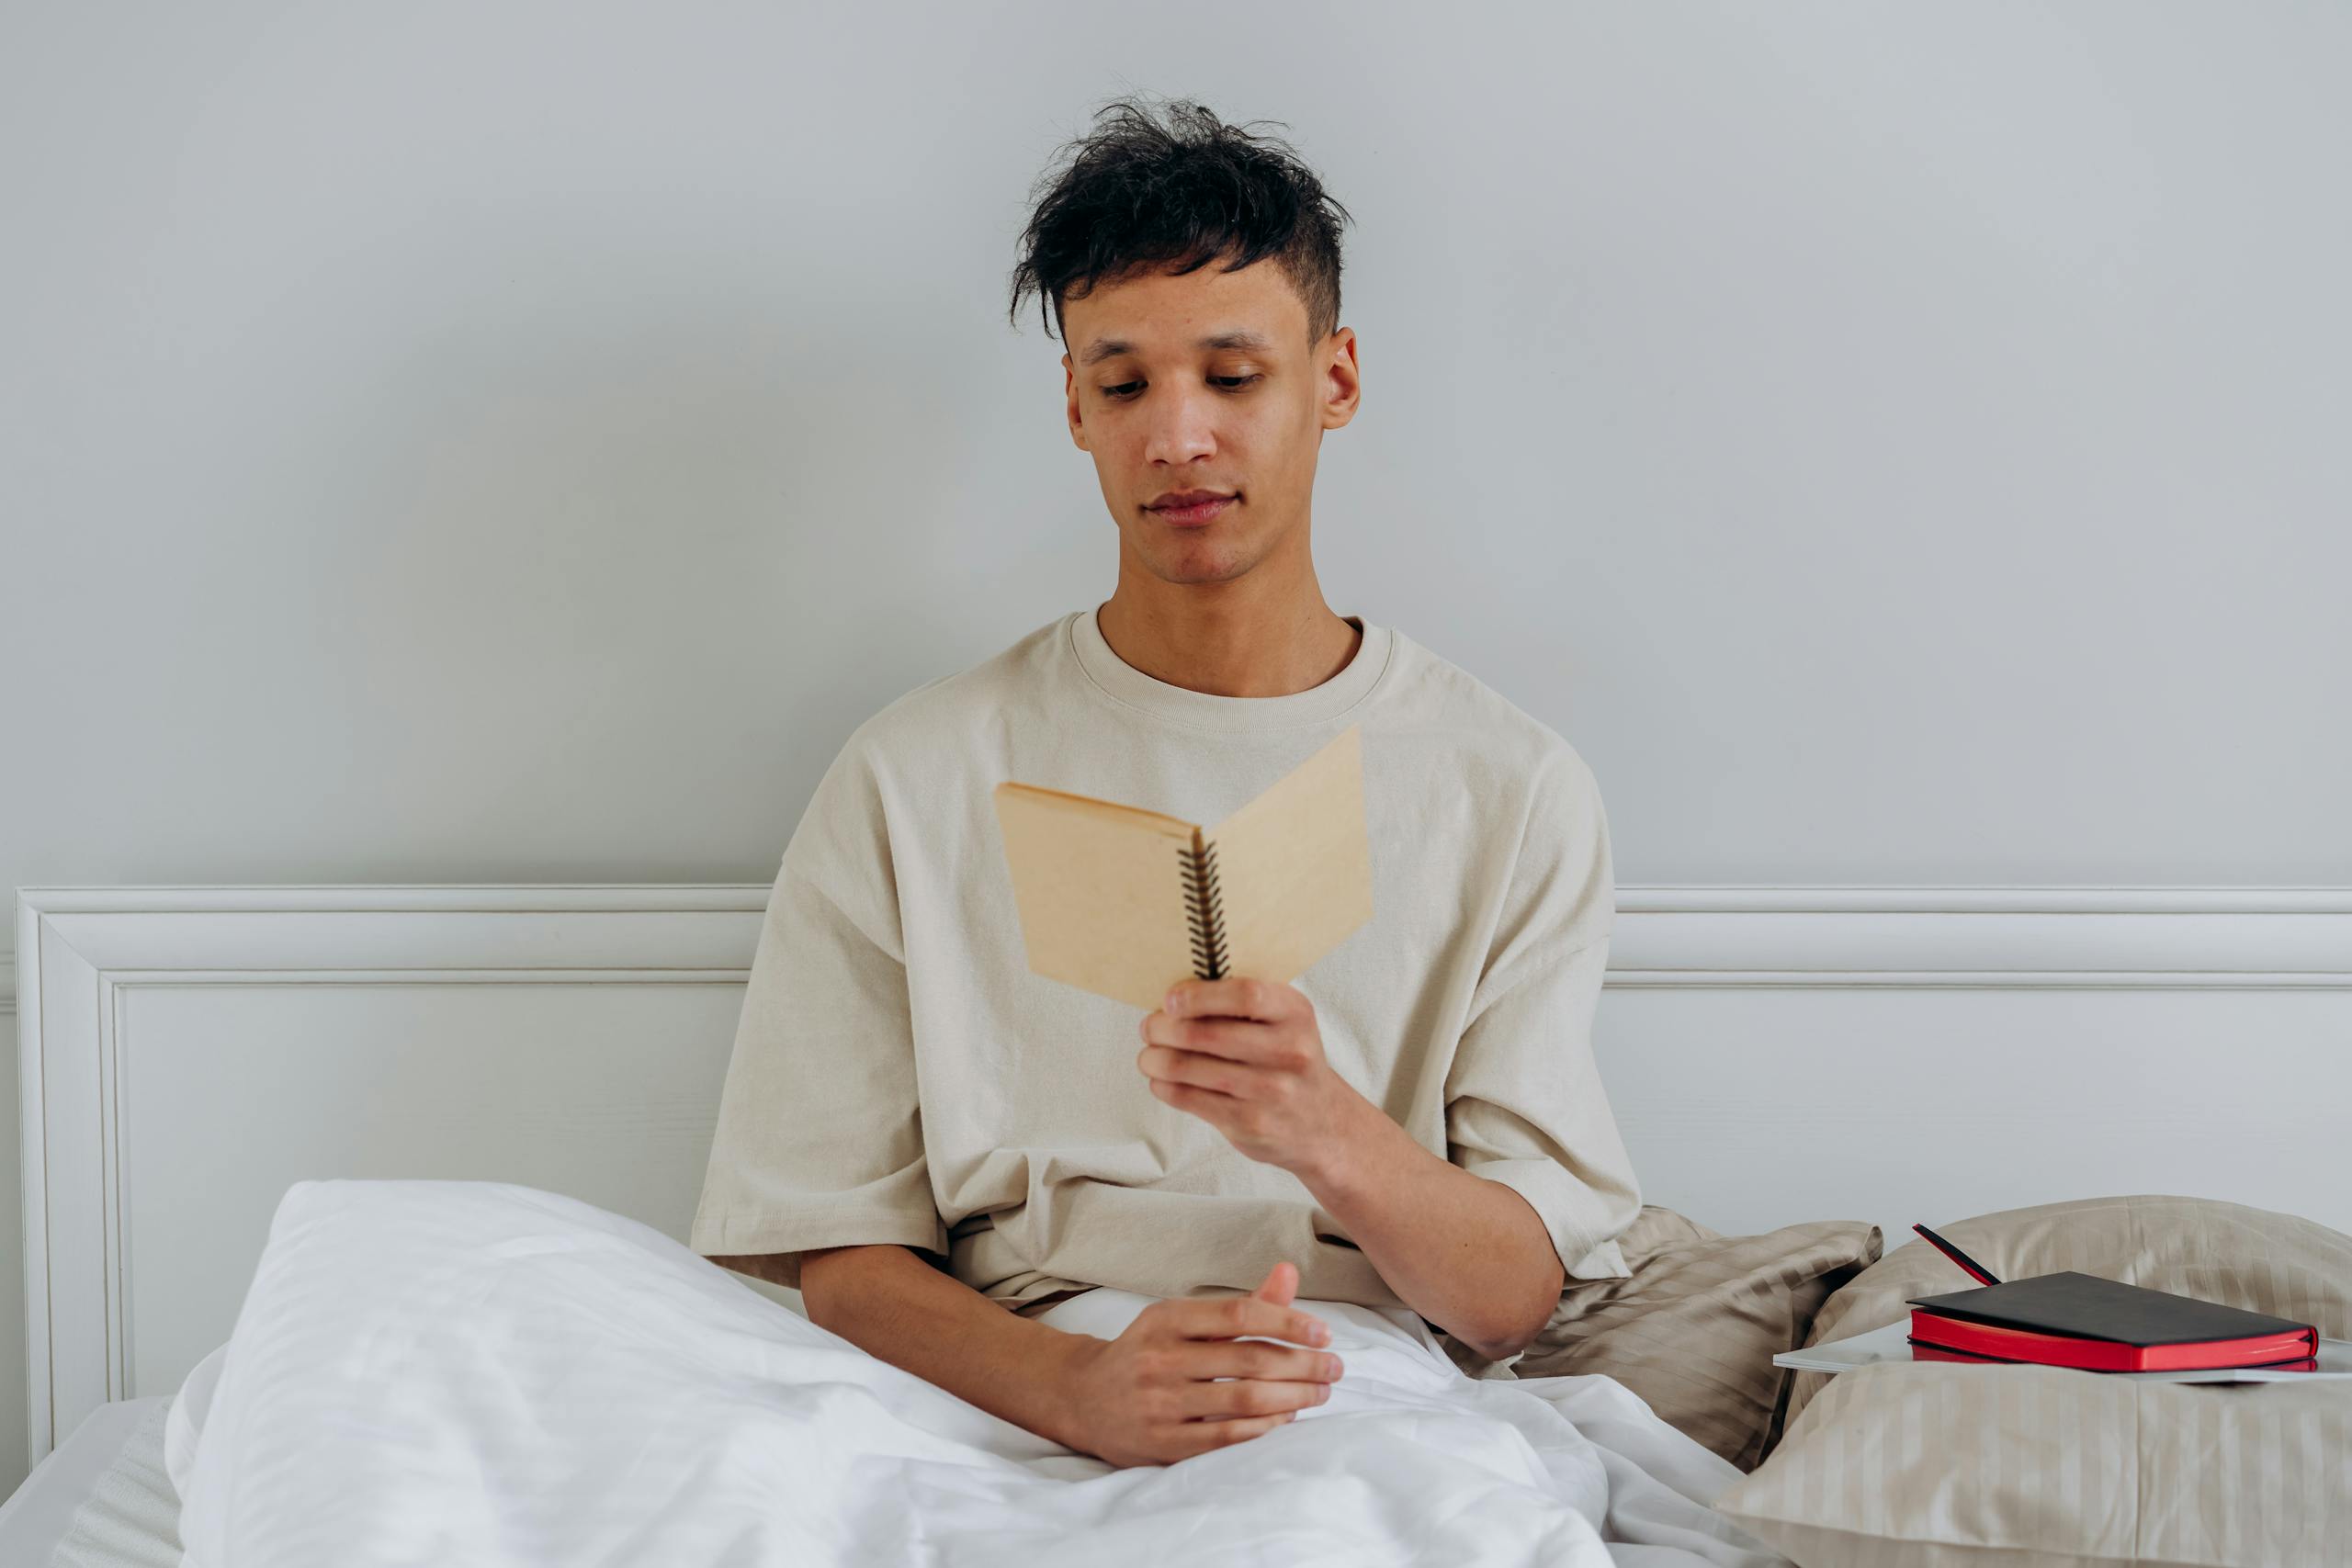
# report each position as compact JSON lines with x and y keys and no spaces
{"x":919,"y":1133}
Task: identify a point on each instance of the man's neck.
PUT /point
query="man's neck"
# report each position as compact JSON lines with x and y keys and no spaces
{"x":1220,"y":639}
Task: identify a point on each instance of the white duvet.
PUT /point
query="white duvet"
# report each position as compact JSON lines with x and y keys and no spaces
{"x":456,"y":1374}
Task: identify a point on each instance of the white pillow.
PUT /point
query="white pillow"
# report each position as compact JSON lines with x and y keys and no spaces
{"x":184,"y":1422}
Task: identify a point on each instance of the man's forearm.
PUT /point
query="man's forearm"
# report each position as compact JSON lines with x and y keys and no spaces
{"x":892,"y":1304}
{"x":1470,"y":1255}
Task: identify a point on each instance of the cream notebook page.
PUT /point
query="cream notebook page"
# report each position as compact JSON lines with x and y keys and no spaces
{"x":1125,"y":902}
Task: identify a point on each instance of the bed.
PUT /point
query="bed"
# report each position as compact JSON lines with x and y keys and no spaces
{"x":102,"y":1499}
{"x":1775,"y":1055}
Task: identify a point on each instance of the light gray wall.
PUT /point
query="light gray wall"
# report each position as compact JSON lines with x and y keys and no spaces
{"x":503,"y":444}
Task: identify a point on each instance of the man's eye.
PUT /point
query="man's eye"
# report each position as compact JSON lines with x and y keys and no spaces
{"x":1124,"y":390}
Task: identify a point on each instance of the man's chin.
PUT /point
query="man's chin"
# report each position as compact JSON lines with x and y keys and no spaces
{"x":1200,"y":555}
{"x":1200,"y":566}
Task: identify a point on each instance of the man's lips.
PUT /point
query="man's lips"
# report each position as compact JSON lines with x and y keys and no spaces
{"x":1187,"y":516}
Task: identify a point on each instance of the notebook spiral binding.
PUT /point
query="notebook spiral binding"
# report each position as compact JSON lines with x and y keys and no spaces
{"x":1204,"y":912}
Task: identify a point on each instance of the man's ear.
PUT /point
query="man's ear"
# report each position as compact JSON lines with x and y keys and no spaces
{"x":1342,"y":379}
{"x":1069,"y":396}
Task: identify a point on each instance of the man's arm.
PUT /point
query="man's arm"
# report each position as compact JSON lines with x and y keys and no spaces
{"x":890,"y":1302}
{"x":819,"y":1139}
{"x":1525,"y":1109}
{"x":1470,"y":1255}
{"x":1468,"y":1252}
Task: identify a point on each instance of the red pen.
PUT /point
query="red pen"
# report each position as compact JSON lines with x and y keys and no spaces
{"x":1984,"y":1275}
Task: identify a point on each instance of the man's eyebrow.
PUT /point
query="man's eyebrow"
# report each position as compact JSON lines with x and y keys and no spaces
{"x":1110,"y":347}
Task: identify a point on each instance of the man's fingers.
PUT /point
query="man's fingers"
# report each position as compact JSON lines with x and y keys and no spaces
{"x":1239,"y":997}
{"x":1204,"y":1046}
{"x":1248,"y":1397}
{"x":1218,"y":1075}
{"x":1227,"y":1318}
{"x":1279,"y":1288}
{"x":1269,"y":1363}
{"x":1211,"y":1433}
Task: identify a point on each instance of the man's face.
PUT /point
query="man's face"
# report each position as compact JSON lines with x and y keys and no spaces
{"x":1204,"y":382}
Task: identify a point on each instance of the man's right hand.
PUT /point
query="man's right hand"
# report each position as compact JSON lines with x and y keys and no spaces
{"x":1151,"y":1396}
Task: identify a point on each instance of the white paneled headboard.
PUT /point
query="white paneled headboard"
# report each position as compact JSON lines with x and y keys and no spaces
{"x":1774,"y":1054}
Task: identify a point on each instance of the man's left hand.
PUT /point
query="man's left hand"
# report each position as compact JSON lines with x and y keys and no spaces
{"x":1245,"y":1055}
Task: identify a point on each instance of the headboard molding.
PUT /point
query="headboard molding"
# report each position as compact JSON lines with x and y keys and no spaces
{"x":1774,"y":1054}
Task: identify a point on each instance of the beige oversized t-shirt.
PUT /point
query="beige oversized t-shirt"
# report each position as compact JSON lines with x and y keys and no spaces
{"x":900,"y":1076}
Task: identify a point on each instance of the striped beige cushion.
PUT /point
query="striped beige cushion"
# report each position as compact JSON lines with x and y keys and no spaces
{"x":1939,"y":1463}
{"x":2242,"y":1257}
{"x":1922,"y":1465}
{"x":1694,"y":1329}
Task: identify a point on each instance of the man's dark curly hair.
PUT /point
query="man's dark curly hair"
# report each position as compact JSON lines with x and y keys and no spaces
{"x":1137,"y":193}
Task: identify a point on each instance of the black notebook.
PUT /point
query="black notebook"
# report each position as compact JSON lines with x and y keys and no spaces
{"x":2088,"y":1307}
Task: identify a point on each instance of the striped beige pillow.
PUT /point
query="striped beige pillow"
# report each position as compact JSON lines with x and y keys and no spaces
{"x":1917,"y":1463}
{"x":1922,"y":1465}
{"x":2242,"y":1257}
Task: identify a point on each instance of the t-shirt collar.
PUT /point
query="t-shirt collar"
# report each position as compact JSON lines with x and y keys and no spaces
{"x":1206,"y":710}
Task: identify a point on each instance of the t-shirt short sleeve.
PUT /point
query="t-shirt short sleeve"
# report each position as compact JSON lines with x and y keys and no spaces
{"x":1524,"y":1101}
{"x":819,"y":1134}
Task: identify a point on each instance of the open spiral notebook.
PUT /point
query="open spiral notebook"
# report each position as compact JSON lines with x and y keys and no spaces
{"x":1125,"y":902}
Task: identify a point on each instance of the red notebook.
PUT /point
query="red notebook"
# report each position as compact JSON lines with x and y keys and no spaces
{"x":2069,"y":1319}
{"x":1922,"y":1351}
